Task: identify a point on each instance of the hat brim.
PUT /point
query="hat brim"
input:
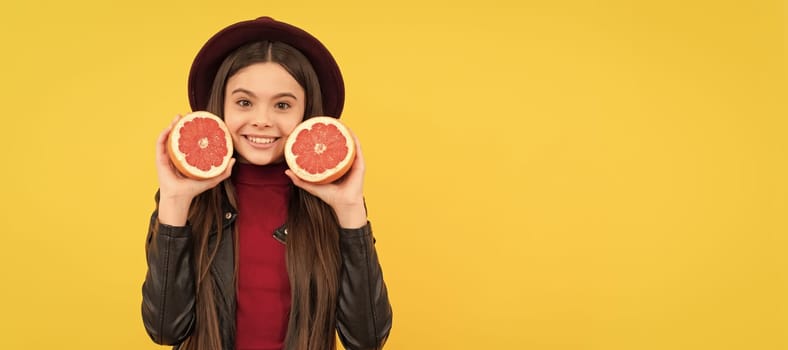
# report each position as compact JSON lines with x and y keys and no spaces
{"x":213,"y":53}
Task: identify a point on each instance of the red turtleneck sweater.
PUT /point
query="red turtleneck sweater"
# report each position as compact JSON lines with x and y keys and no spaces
{"x":263,"y":286}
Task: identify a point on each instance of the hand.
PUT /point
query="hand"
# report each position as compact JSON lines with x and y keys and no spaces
{"x":345,"y":195}
{"x":176,"y":191}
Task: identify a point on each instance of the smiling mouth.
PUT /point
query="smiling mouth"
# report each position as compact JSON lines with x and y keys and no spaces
{"x":261,"y":140}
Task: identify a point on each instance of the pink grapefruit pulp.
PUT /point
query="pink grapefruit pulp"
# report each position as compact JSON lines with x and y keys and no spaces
{"x":320,"y":150}
{"x":200,"y":145}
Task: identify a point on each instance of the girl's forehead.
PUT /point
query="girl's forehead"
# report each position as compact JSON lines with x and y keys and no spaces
{"x":263,"y":78}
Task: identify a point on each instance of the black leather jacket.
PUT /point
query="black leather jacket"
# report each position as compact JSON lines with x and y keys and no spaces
{"x":168,"y":293}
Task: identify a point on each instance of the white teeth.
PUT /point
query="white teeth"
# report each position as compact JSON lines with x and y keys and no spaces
{"x":261,"y":139}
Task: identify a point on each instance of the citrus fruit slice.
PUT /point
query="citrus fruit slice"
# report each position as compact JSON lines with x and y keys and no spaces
{"x":200,"y":145}
{"x":320,"y":150}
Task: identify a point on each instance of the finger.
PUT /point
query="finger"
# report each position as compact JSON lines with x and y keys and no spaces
{"x":358,"y":167}
{"x":206,"y":184}
{"x":172,"y":124}
{"x":308,"y":186}
{"x":162,"y":159}
{"x":227,"y":172}
{"x":161,"y":142}
{"x":296,"y":180}
{"x":359,"y":161}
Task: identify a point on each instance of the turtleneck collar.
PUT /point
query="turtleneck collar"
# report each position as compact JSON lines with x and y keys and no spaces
{"x":272,"y":174}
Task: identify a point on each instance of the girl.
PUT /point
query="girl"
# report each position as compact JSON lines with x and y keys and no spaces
{"x":256,"y":258}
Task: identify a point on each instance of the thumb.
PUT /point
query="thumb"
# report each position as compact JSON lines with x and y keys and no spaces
{"x":309,"y":187}
{"x":227,"y":172}
{"x":296,"y":180}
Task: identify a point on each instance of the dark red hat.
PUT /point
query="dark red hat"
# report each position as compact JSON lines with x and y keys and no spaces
{"x":224,"y":42}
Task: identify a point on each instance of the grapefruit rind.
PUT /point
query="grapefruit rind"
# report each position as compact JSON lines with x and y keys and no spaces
{"x":179,"y":158}
{"x":331,"y":174}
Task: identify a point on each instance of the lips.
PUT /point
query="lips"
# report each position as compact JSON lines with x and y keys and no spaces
{"x":261,"y":140}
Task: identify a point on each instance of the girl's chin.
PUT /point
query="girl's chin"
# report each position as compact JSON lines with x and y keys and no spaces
{"x":259,"y":160}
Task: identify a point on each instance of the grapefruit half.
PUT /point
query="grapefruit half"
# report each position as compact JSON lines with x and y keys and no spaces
{"x":200,"y":145}
{"x":320,"y":150}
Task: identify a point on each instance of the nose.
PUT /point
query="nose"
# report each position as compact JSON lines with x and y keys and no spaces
{"x":261,"y":119}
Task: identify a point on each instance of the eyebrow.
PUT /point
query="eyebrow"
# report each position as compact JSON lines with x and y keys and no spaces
{"x":250,"y":93}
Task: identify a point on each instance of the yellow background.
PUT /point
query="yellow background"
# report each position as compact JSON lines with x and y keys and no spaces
{"x":542,"y":174}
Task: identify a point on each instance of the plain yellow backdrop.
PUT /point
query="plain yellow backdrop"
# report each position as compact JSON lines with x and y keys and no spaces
{"x":542,"y":174}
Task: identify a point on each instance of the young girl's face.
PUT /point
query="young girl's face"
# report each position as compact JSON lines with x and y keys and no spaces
{"x":263,"y":103}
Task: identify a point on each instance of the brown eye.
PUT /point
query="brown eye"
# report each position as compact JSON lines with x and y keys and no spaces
{"x":244,"y":103}
{"x":282,"y":105}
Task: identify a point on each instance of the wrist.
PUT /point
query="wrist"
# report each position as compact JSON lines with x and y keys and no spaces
{"x":174,"y":211}
{"x":351,"y":216}
{"x":174,"y":197}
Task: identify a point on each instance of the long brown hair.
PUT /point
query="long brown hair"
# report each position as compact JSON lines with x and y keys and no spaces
{"x":313,"y":258}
